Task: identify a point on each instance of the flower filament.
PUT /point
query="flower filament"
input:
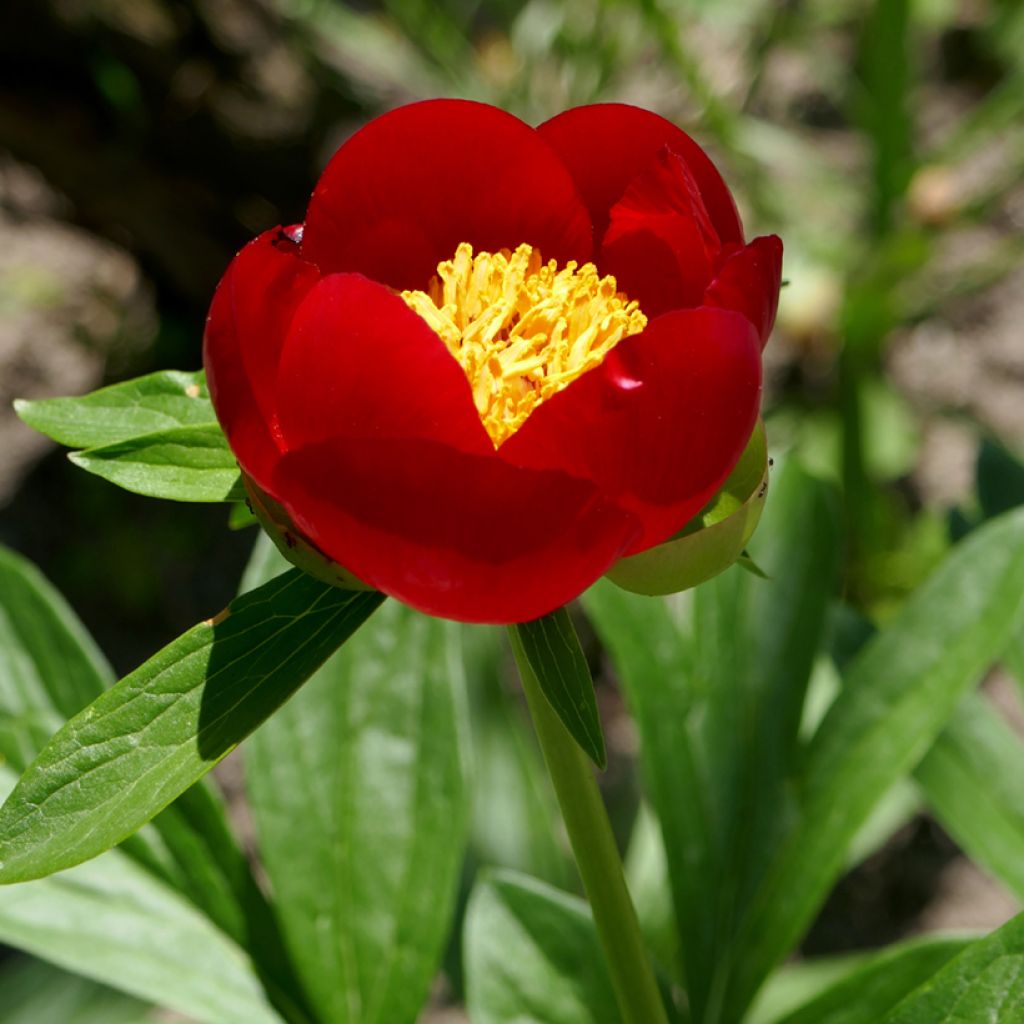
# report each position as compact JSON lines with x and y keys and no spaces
{"x":522,"y":329}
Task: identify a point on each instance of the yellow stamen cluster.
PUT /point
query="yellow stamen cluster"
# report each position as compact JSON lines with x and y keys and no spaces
{"x":522,"y":329}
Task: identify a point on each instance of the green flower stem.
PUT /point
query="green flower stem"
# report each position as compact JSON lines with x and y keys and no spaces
{"x":597,"y":857}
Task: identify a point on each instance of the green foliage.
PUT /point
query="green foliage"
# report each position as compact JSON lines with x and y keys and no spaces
{"x":357,"y":788}
{"x":716,"y":684}
{"x":553,"y":650}
{"x":160,"y":729}
{"x":156,"y":435}
{"x":532,"y":954}
{"x":112,"y":921}
{"x":984,"y":983}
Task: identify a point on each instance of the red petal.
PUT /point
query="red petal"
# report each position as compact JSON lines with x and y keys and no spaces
{"x":460,"y":536}
{"x":660,"y":423}
{"x":749,"y":282}
{"x":245,"y":332}
{"x":660,"y":244}
{"x":400,"y":195}
{"x":359,"y":363}
{"x":607,"y":145}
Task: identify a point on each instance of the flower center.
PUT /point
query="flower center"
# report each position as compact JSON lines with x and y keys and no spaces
{"x":522,"y":329}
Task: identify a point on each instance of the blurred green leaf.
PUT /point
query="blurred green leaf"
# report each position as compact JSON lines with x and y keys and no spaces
{"x":984,"y":983}
{"x":899,"y":692}
{"x":716,"y":682}
{"x":973,"y":778}
{"x":34,"y":992}
{"x":515,"y":821}
{"x":112,"y":921}
{"x":532,"y":953}
{"x":358,"y":794}
{"x":50,"y":668}
{"x":183,"y":464}
{"x":143,"y":742}
{"x":553,"y":650}
{"x":865,"y":994}
{"x":146,"y":405}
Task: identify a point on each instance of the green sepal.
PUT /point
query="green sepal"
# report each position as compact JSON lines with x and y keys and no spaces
{"x":711,"y":541}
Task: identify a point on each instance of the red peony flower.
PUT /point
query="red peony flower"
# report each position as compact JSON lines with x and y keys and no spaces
{"x":495,"y":359}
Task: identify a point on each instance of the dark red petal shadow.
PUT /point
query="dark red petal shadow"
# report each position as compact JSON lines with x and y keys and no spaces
{"x":400,"y":195}
{"x":749,"y":281}
{"x":660,"y":243}
{"x":607,"y":145}
{"x":461,"y":536}
{"x":358,"y":363}
{"x":245,"y":332}
{"x":660,"y":423}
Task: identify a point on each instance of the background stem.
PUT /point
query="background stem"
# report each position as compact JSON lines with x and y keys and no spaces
{"x":597,"y":856}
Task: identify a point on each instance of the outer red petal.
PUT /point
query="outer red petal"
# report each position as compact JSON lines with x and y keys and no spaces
{"x":245,"y":332}
{"x":660,"y":243}
{"x":660,"y":423}
{"x":749,"y":282}
{"x":359,"y":363}
{"x":400,"y":195}
{"x":460,"y":536}
{"x":607,"y":145}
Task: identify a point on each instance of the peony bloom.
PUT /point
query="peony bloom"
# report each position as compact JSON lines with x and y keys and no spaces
{"x":495,"y":360}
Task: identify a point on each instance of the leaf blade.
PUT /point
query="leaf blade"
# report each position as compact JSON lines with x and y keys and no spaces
{"x":532,"y":953}
{"x":553,"y":650}
{"x":96,"y":782}
{"x":146,"y":405}
{"x":192,"y":463}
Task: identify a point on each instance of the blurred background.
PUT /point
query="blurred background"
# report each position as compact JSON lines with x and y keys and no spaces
{"x":142,"y":142}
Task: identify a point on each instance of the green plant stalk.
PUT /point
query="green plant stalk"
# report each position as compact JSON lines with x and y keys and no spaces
{"x":597,"y":856}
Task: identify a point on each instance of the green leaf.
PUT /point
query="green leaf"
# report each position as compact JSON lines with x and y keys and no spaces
{"x":34,"y":992}
{"x":973,"y":778}
{"x":112,"y":921}
{"x":984,"y":983}
{"x":49,"y":666}
{"x":146,"y":405}
{"x":713,"y":540}
{"x":145,"y":741}
{"x":515,"y":821}
{"x":553,"y":650}
{"x":358,"y":794}
{"x":899,"y":692}
{"x":532,"y":954}
{"x":49,"y":670}
{"x":870,"y":991}
{"x":716,"y":680}
{"x":183,"y":464}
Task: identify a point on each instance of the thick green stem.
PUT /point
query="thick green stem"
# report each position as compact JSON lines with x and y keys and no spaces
{"x":597,"y":857}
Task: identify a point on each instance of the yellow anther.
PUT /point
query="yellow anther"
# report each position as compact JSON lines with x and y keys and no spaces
{"x":521,"y":329}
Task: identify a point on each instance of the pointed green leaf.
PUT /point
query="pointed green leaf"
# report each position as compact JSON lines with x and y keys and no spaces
{"x":871,"y":990}
{"x":112,"y":921}
{"x":50,"y":668}
{"x":532,"y":954}
{"x":146,"y":740}
{"x":973,"y":779}
{"x":716,"y":680}
{"x":899,"y":692}
{"x":146,"y":405}
{"x":35,"y":992}
{"x":985,"y":983}
{"x":358,"y":794}
{"x":183,"y":464}
{"x":553,"y":650}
